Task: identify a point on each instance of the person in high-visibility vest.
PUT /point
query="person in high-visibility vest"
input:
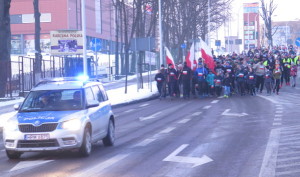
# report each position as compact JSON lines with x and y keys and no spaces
{"x":287,"y":61}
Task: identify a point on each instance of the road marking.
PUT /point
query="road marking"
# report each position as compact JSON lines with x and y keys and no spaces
{"x":285,"y":153}
{"x":269,"y":162}
{"x":94,"y":171}
{"x":183,"y":121}
{"x":278,"y":119}
{"x":268,"y":98}
{"x":278,"y":105}
{"x":279,"y":108}
{"x":168,"y":130}
{"x":196,"y":113}
{"x":277,"y":123}
{"x":280,"y":173}
{"x":129,"y":110}
{"x":286,"y":135}
{"x":215,"y":101}
{"x":220,"y":97}
{"x":196,"y":161}
{"x":278,"y":115}
{"x":290,"y":143}
{"x":144,"y":105}
{"x":153,"y":116}
{"x":207,"y":107}
{"x":145,"y":142}
{"x":226,"y":113}
{"x":288,"y":165}
{"x":28,"y":164}
{"x":278,"y":112}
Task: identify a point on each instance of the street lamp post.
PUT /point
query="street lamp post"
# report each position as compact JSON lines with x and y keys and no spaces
{"x":83,"y":26}
{"x":160,"y":33}
{"x":255,"y":29}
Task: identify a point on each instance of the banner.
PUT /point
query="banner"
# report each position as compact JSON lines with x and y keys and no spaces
{"x":66,"y":42}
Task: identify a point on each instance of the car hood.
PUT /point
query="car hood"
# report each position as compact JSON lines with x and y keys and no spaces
{"x":48,"y":116}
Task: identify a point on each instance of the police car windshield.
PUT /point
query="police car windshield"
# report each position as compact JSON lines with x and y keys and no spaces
{"x":53,"y":100}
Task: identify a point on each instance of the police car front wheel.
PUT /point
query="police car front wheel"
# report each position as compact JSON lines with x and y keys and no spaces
{"x":86,"y":147}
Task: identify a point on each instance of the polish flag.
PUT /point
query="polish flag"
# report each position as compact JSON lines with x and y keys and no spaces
{"x":169,"y":58}
{"x":190,"y":58}
{"x":207,"y":56}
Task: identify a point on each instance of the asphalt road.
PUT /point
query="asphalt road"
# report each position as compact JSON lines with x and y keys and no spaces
{"x":212,"y":137}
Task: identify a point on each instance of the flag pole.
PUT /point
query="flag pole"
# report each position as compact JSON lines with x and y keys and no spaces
{"x":160,"y":33}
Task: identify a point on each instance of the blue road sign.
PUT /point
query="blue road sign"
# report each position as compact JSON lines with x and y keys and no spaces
{"x":183,"y":46}
{"x":95,"y":44}
{"x":297,"y":41}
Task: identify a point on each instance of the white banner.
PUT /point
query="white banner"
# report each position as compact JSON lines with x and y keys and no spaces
{"x":66,"y":42}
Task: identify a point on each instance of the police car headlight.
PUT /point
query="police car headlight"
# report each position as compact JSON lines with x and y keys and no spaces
{"x":11,"y":125}
{"x":73,"y":124}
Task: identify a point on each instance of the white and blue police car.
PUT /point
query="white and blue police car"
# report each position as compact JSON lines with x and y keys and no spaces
{"x":61,"y":114}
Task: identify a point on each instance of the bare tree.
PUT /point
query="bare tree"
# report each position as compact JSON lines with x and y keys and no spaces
{"x":38,"y":56}
{"x":267,"y":12}
{"x":5,"y":45}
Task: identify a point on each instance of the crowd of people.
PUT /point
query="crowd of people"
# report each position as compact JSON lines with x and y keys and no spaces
{"x":247,"y":73}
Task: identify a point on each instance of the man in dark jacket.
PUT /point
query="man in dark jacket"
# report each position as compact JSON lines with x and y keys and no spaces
{"x":160,"y":79}
{"x":186,"y":76}
{"x":172,"y":80}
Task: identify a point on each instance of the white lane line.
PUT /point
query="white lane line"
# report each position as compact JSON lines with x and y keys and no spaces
{"x":278,"y":119}
{"x":278,"y":115}
{"x":288,"y":159}
{"x":153,"y":116}
{"x":207,"y":107}
{"x":3,"y":150}
{"x":289,"y":134}
{"x":277,"y":123}
{"x":145,"y":142}
{"x":28,"y":164}
{"x":296,"y":138}
{"x":288,"y":165}
{"x":269,"y":162}
{"x":95,"y":170}
{"x":279,"y":108}
{"x":168,"y":130}
{"x":220,"y":97}
{"x":144,"y":105}
{"x":215,"y":101}
{"x":129,"y":110}
{"x":278,"y":112}
{"x":287,"y":172}
{"x":278,"y":105}
{"x":196,"y":113}
{"x":285,"y":153}
{"x":290,"y":143}
{"x":183,"y":121}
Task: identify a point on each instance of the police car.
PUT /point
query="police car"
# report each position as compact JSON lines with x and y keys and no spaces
{"x":60,"y":114}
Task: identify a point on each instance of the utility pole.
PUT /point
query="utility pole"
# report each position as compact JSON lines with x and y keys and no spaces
{"x":160,"y":32}
{"x":83,"y":27}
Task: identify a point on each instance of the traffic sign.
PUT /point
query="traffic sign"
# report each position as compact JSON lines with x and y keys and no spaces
{"x":297,"y":41}
{"x":95,"y":44}
{"x":183,"y":45}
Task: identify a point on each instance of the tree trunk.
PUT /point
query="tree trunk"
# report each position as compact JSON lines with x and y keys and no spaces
{"x":38,"y":56}
{"x":5,"y":45}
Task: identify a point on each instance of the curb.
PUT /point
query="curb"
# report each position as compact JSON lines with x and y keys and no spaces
{"x":152,"y":97}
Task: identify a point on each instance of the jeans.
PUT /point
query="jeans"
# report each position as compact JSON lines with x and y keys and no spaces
{"x":226,"y":90}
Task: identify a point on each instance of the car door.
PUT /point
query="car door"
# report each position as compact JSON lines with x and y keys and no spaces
{"x":93,"y":113}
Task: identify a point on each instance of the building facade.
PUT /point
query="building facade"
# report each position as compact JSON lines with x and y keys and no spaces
{"x":251,"y":25}
{"x":62,"y":15}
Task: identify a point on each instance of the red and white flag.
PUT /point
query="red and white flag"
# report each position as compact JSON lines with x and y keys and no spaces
{"x":207,"y":56}
{"x":169,"y":58}
{"x":190,"y":58}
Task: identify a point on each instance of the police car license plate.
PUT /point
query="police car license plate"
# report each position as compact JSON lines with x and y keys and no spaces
{"x":37,"y":137}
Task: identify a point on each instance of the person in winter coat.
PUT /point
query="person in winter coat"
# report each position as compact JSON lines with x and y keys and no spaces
{"x":241,"y":79}
{"x":277,"y":72}
{"x":227,"y":85}
{"x":259,"y":70}
{"x":201,"y":74}
{"x":210,"y":82}
{"x":186,"y":77}
{"x":251,"y":82}
{"x":172,"y":80}
{"x":218,"y":84}
{"x":293,"y":74}
{"x":268,"y":81}
{"x":160,"y":79}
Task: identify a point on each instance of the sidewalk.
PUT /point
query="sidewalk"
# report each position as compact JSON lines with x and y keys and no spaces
{"x":117,"y":98}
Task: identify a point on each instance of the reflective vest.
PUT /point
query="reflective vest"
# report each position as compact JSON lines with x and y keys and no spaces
{"x":296,"y":60}
{"x":287,"y":62}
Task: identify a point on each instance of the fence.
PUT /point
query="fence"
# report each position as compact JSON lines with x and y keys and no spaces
{"x":23,"y":75}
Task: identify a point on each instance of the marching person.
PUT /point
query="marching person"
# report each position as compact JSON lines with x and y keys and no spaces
{"x":201,"y":73}
{"x":160,"y":79}
{"x":268,"y":81}
{"x":172,"y":80}
{"x":293,"y":74}
{"x":277,"y":77}
{"x":186,"y":76}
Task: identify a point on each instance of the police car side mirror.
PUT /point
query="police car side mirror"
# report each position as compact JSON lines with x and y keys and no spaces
{"x":17,"y":106}
{"x":93,"y":103}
